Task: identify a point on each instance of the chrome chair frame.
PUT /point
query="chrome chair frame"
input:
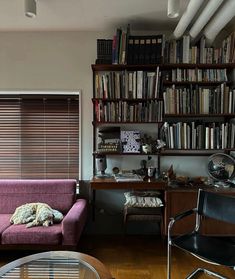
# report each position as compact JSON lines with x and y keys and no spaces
{"x":196,"y":229}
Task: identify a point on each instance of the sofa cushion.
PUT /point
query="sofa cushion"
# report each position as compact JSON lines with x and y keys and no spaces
{"x":4,"y":222}
{"x":19,"y":234}
{"x":59,"y":194}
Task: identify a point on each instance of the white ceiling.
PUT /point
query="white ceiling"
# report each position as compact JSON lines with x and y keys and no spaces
{"x":90,"y":15}
{"x":87,"y":15}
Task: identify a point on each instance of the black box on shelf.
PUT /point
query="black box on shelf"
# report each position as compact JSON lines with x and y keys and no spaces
{"x":104,"y":51}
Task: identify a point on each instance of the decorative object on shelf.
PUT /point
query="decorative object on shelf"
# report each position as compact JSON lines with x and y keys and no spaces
{"x":110,"y":139}
{"x":130,"y":141}
{"x":160,"y":144}
{"x":101,"y":165}
{"x":221,"y":168}
{"x":104,"y":51}
{"x":143,"y":169}
{"x":115,"y":170}
{"x":148,"y":144}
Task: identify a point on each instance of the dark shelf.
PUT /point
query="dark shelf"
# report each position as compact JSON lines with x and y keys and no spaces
{"x":190,"y":152}
{"x":138,"y":100}
{"x":199,"y":115}
{"x":212,"y":83}
{"x":109,"y":67}
{"x":121,"y":153}
{"x":123,"y":123}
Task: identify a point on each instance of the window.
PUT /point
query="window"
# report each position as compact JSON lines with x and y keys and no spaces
{"x":39,"y":136}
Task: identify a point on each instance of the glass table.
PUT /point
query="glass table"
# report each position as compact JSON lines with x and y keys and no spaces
{"x":56,"y":265}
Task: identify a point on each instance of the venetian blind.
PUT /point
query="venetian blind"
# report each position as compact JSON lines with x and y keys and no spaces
{"x":39,"y":137}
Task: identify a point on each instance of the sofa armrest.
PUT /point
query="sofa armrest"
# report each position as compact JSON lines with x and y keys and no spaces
{"x":74,"y":222}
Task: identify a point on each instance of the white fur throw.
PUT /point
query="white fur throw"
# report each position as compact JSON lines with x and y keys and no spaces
{"x":36,"y":214}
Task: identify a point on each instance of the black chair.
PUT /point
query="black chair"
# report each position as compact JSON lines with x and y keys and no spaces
{"x":214,"y":250}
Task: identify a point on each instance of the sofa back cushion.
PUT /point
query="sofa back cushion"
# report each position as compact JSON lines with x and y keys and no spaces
{"x":60,"y":194}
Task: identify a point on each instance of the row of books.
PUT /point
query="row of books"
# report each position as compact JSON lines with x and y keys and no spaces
{"x":150,"y":49}
{"x":150,"y":111}
{"x":199,"y":100}
{"x":127,"y":84}
{"x":180,"y":51}
{"x":182,"y":135}
{"x":196,"y":75}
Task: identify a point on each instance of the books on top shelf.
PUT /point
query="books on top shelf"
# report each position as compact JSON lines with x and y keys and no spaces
{"x":181,"y":51}
{"x":119,"y":46}
{"x":151,"y":49}
{"x":127,"y":177}
{"x":145,"y":50}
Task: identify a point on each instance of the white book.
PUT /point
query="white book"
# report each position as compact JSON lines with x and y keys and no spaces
{"x":139,"y":84}
{"x":171,"y":137}
{"x":207,"y":137}
{"x":185,"y":135}
{"x":212,"y":138}
{"x":134,"y":94}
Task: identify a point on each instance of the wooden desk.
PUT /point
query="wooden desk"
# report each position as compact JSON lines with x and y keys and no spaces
{"x":111,"y":184}
{"x":176,"y":200}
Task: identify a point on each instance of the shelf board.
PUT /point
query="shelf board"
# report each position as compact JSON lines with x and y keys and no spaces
{"x":121,"y":154}
{"x":199,"y":115}
{"x":110,"y":67}
{"x":123,"y":123}
{"x":166,"y":82}
{"x":191,"y":152}
{"x":139,"y":100}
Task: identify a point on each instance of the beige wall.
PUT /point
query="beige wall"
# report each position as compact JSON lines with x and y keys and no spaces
{"x":52,"y":61}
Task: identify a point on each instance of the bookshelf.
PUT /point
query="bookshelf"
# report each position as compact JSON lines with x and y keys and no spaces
{"x":190,"y":104}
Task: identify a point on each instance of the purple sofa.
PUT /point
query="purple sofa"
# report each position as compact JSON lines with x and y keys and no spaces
{"x":60,"y":194}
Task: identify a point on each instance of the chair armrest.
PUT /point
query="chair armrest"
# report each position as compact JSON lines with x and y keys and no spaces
{"x":179,"y":217}
{"x":73,"y":222}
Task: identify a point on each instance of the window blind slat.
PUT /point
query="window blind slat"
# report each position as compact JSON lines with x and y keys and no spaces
{"x":39,"y":137}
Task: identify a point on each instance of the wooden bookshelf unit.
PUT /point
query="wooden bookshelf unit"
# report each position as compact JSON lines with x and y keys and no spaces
{"x":190,"y":105}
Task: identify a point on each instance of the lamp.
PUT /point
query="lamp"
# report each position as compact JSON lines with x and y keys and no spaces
{"x":192,"y":8}
{"x":173,"y":8}
{"x":204,"y":17}
{"x":224,"y":15}
{"x":30,"y":8}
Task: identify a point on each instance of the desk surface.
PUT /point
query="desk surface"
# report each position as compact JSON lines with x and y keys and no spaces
{"x":111,"y":183}
{"x":56,"y":264}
